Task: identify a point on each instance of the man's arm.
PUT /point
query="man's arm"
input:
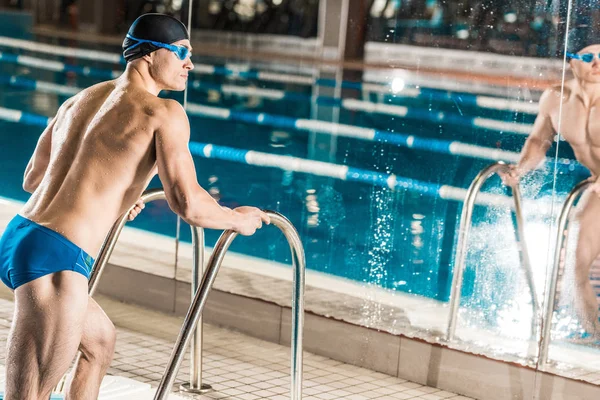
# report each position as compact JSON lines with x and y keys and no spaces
{"x":38,"y":164}
{"x":540,"y":139}
{"x":178,"y":175}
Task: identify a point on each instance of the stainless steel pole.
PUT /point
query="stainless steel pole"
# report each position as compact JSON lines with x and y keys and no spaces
{"x":102,"y":259}
{"x":461,"y":246}
{"x":195,"y":384}
{"x":524,"y":256}
{"x":551,"y":291}
{"x":113,"y":236}
{"x":299,"y":266}
{"x":193,"y":315}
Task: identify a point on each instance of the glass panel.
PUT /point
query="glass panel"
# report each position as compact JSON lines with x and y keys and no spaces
{"x":472,"y":77}
{"x":571,"y":319}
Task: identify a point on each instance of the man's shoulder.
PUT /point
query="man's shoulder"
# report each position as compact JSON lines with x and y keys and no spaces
{"x":552,"y":95}
{"x":171,"y":109}
{"x":171,"y":114}
{"x":557,"y":89}
{"x":172,"y":106}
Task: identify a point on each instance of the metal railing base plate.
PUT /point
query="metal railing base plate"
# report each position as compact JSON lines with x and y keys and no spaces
{"x":186,"y":387}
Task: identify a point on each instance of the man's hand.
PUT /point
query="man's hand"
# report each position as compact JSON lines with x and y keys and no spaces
{"x":512,"y":176}
{"x":249,"y":220}
{"x":136,"y":210}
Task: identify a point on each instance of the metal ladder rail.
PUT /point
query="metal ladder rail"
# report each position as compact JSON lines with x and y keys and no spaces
{"x":551,"y":292}
{"x":195,"y":310}
{"x":195,"y":384}
{"x":461,"y":248}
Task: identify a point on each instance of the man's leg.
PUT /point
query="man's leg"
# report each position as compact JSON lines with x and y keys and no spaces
{"x":97,"y":348}
{"x":588,"y":249}
{"x":45,"y":334}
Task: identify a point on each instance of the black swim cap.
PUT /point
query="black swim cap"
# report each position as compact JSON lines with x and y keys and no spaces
{"x":156,"y":27}
{"x":582,"y":36}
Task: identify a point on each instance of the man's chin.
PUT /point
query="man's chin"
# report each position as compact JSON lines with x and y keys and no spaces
{"x":179,"y":88}
{"x":593,"y":78}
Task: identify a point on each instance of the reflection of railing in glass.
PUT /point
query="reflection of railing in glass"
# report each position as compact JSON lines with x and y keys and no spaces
{"x":461,"y":248}
{"x":195,"y":310}
{"x":551,"y":291}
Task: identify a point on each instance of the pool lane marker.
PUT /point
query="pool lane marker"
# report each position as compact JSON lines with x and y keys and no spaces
{"x":372,"y":107}
{"x":57,"y":66}
{"x":342,"y":172}
{"x":296,"y":164}
{"x":278,"y":95}
{"x":22,"y":117}
{"x":343,"y":130}
{"x":368,"y":134}
{"x":278,"y":121}
{"x":248,"y":73}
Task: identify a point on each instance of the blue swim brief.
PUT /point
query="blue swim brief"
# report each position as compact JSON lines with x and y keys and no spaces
{"x":29,"y":251}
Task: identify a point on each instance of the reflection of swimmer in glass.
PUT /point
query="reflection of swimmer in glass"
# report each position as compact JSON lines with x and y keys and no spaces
{"x":90,"y":165}
{"x":579,"y":115}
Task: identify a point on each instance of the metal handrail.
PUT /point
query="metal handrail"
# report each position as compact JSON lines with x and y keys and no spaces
{"x":195,"y":310}
{"x":461,"y":248}
{"x":551,"y":292}
{"x":195,"y":384}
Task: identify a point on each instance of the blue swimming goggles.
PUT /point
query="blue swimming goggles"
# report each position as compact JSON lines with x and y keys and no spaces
{"x":181,"y":52}
{"x":586,"y":57}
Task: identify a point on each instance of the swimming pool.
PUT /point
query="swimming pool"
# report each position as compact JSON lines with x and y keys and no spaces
{"x":397,"y":239}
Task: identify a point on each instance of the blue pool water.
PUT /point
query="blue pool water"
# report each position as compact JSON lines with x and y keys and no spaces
{"x":397,"y":240}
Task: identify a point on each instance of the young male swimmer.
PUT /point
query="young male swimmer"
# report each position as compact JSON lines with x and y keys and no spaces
{"x":91,"y":164}
{"x":578,"y":111}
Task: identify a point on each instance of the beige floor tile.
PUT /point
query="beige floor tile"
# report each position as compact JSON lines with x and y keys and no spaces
{"x":238,"y":367}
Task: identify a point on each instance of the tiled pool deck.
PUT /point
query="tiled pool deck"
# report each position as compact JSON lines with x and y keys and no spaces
{"x":237,"y":366}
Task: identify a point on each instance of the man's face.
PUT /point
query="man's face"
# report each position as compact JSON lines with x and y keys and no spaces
{"x":168,"y":70}
{"x":588,"y":72}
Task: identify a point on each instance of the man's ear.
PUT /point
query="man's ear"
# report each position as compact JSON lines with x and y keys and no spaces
{"x":149,"y":58}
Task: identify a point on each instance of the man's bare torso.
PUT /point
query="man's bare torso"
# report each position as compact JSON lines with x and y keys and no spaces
{"x":579,"y":124}
{"x":102,"y":158}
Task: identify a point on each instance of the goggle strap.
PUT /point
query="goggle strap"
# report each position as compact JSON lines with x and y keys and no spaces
{"x":171,"y":47}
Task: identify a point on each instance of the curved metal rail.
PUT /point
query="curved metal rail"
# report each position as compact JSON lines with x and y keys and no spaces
{"x":563,"y":219}
{"x":195,"y":385}
{"x":461,"y":248}
{"x":195,"y":310}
